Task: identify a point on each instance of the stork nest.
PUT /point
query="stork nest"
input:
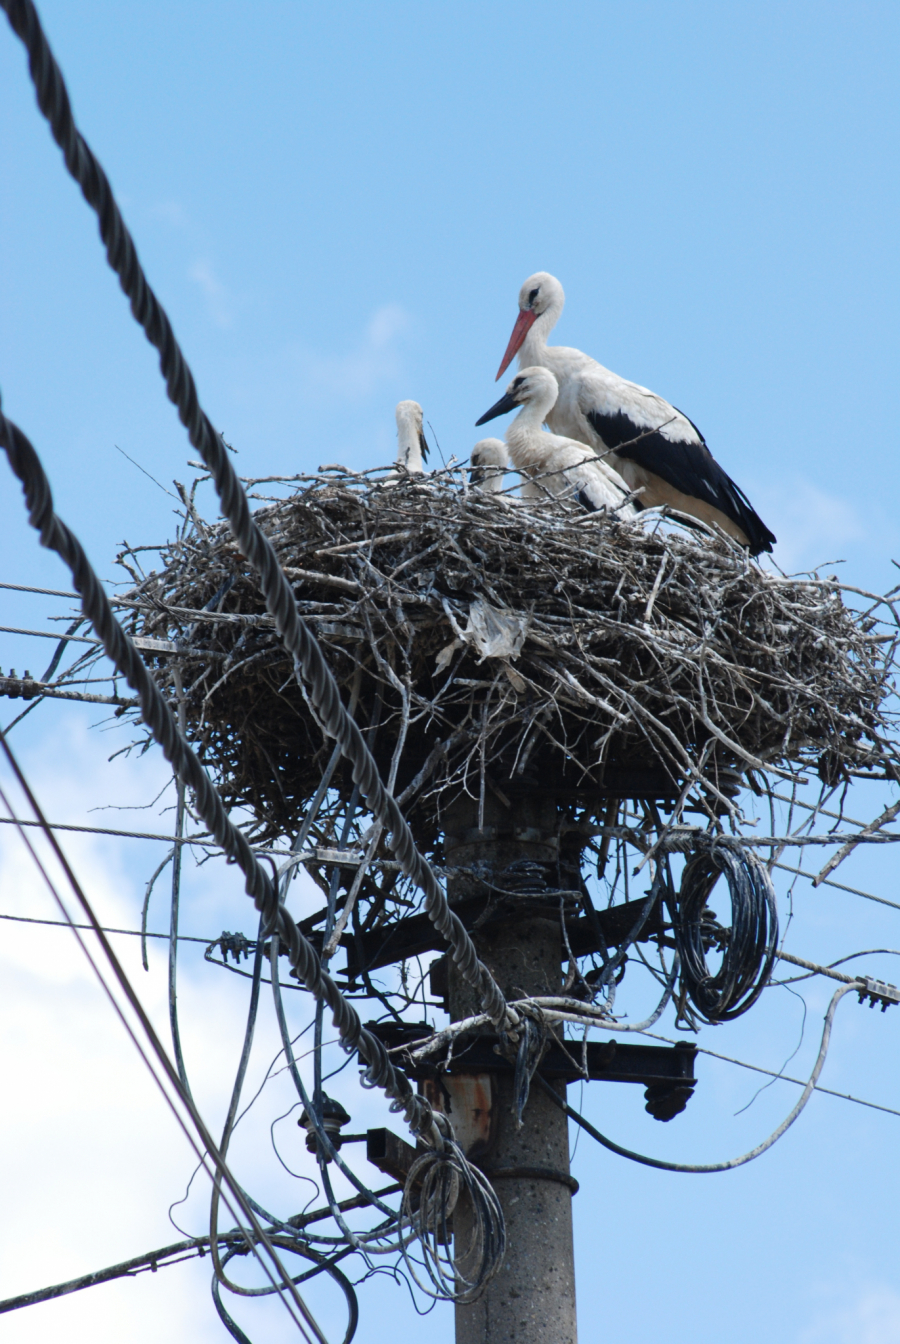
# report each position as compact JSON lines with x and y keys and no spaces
{"x":486,"y":643}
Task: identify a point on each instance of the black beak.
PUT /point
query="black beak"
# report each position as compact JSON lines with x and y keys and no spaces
{"x":476,"y":475}
{"x":423,"y":445}
{"x":506,"y":403}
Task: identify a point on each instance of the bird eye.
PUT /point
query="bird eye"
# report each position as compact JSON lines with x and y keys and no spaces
{"x":533,"y":295}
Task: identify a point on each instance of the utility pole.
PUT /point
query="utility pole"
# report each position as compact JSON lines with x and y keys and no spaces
{"x":532,"y":1298}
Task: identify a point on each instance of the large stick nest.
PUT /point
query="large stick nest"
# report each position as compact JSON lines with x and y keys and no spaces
{"x":487,"y":643}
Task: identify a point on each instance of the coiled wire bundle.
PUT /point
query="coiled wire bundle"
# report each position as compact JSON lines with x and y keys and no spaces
{"x":437,"y":1182}
{"x":748,"y":947}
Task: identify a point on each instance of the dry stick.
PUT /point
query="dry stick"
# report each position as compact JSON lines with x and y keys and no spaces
{"x":655,"y":589}
{"x":741,"y":647}
{"x":867,"y":833}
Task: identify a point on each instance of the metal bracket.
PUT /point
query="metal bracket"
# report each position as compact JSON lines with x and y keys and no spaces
{"x":878,"y":991}
{"x":665,"y":1071}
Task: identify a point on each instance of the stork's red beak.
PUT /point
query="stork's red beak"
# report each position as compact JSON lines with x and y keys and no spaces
{"x":520,"y":331}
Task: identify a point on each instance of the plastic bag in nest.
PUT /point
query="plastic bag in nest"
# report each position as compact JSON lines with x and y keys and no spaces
{"x":494,"y":632}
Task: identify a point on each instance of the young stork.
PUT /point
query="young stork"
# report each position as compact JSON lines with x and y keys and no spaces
{"x":412,"y":448}
{"x":562,"y":465}
{"x":656,"y":448}
{"x":488,"y":463}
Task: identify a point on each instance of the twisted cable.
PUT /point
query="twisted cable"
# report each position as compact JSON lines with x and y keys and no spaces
{"x":53,"y":100}
{"x":155,"y":711}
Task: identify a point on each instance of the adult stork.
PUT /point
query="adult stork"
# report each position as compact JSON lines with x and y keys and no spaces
{"x":562,"y":465}
{"x":656,"y":448}
{"x":488,"y":463}
{"x":412,"y":449}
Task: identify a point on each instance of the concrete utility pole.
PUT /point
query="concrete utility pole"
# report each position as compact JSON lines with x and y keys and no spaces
{"x":532,"y":1299}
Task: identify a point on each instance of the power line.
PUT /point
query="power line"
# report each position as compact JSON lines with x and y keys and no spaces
{"x":276,"y":588}
{"x":821,"y":811}
{"x":129,"y":933}
{"x":49,"y":634}
{"x":830,"y":882}
{"x":46,"y":592}
{"x":127,"y":835}
{"x":26,"y":688}
{"x":783,"y":1077}
{"x":164,"y":1256}
{"x":284,"y":1283}
{"x":708,"y":1168}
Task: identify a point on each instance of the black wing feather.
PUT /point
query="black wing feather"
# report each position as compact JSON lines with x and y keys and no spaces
{"x":687,"y":467}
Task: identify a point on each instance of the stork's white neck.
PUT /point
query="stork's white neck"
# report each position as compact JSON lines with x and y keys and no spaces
{"x":525,"y":432}
{"x":409,"y":448}
{"x":533,"y":349}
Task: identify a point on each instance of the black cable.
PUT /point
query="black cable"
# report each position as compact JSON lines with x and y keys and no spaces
{"x":249,"y":1030}
{"x":53,"y":100}
{"x":324,"y":1145}
{"x":749,"y":946}
{"x":56,"y":536}
{"x":709,"y":1168}
{"x":322,"y":1135}
{"x":168,"y":1072}
{"x":177,"y":854}
{"x":61,"y":648}
{"x":322,"y":1264}
{"x":314,"y":1110}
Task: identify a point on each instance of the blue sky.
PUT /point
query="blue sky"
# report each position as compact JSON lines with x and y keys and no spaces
{"x":337,"y":204}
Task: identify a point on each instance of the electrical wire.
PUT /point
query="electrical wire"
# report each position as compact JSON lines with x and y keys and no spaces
{"x":749,"y":950}
{"x":159,"y":718}
{"x":233,"y":1105}
{"x":309,"y":661}
{"x":129,"y":933}
{"x":780,"y":1076}
{"x":177,"y":851}
{"x":124,"y":835}
{"x":437,"y":1181}
{"x":711,"y":1167}
{"x":285,"y":1289}
{"x":323,"y":1264}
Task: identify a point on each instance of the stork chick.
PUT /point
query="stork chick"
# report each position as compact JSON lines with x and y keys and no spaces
{"x":488,"y":463}
{"x":412,"y":448}
{"x":563,"y":465}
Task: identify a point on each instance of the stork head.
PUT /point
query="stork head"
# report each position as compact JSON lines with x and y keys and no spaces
{"x":488,"y":461}
{"x":412,"y":448}
{"x":535,"y":388}
{"x":540,"y":294}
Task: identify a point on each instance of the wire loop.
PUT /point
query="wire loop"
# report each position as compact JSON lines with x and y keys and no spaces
{"x":748,"y":947}
{"x":439,"y":1182}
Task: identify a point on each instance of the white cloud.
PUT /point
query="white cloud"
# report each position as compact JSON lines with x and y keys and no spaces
{"x":218,"y":299}
{"x":815,"y":528}
{"x":374,"y":360}
{"x":171,"y":212}
{"x":812,"y":526}
{"x":91,"y":1158}
{"x":872,"y":1318}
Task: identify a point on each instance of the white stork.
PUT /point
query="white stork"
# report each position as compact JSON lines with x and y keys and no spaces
{"x":412,"y":448}
{"x":563,"y":465}
{"x":657,"y":449}
{"x":488,"y":462}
